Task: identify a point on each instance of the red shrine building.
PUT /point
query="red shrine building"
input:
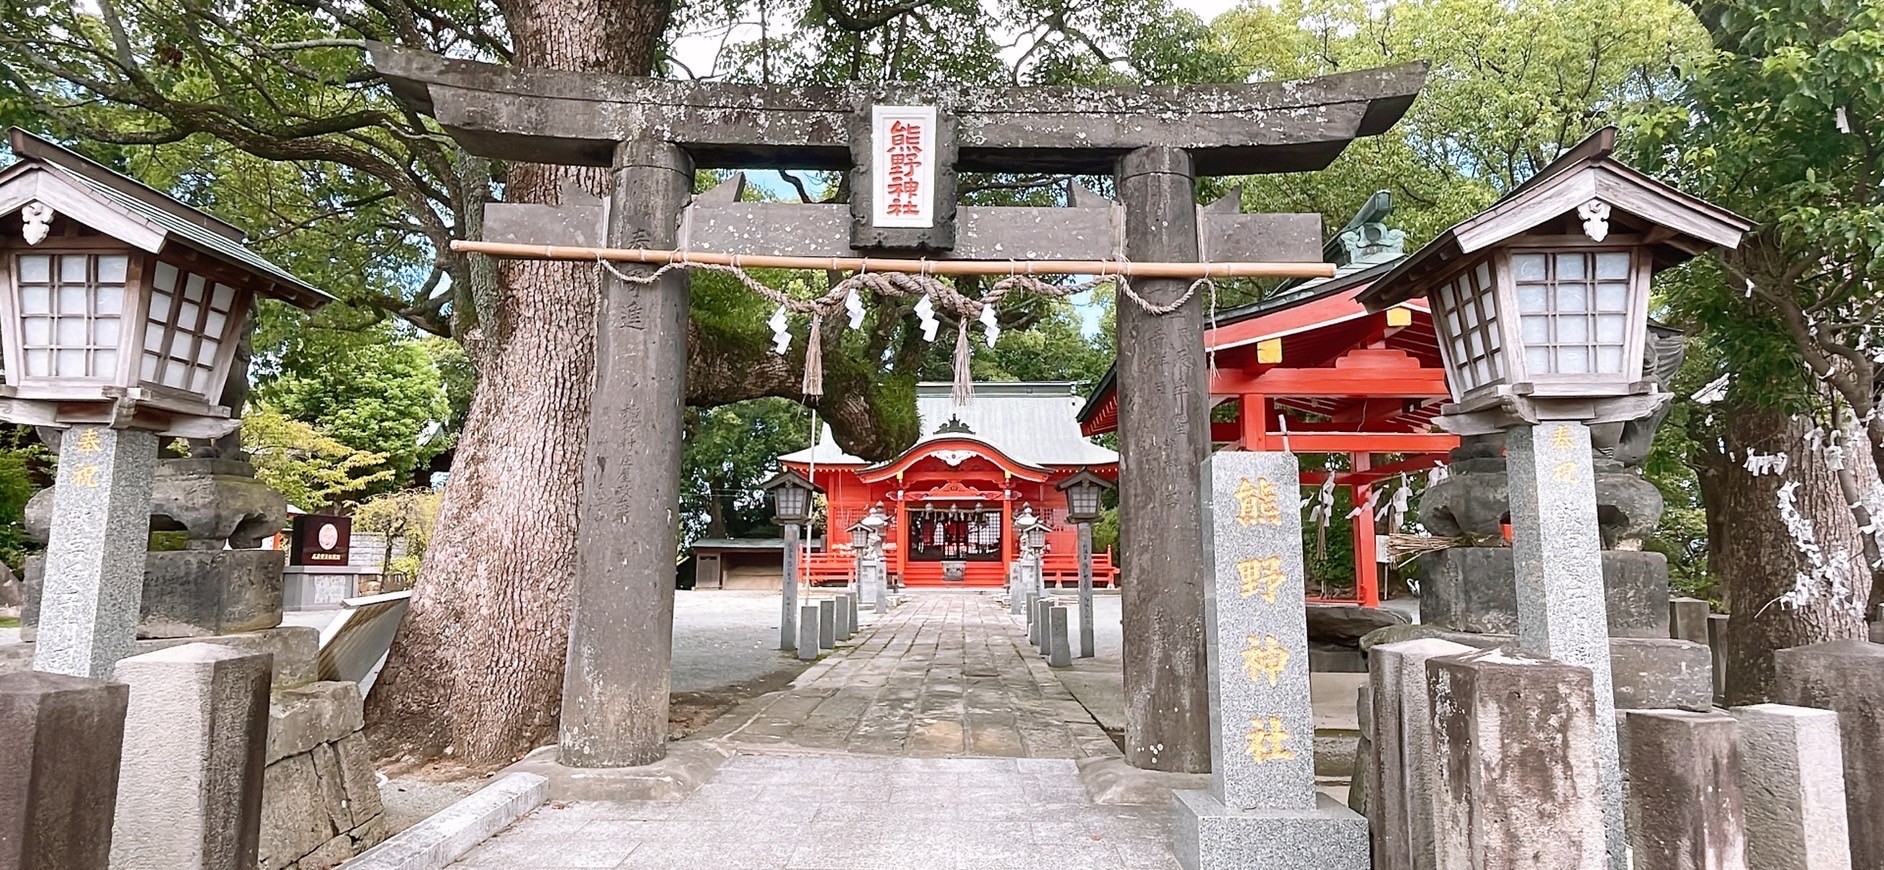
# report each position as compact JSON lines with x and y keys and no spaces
{"x":1311,"y":371}
{"x":953,"y":496}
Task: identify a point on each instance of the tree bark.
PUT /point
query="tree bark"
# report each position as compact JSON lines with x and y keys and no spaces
{"x":476,"y":670}
{"x":1759,"y":559}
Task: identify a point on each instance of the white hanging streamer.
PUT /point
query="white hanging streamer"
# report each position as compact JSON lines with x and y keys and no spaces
{"x":989,"y":324}
{"x":1373,"y":498}
{"x":1393,"y":513}
{"x":1825,"y":574}
{"x":853,"y":306}
{"x":1758,"y":463}
{"x":781,"y":336}
{"x":925,"y":312}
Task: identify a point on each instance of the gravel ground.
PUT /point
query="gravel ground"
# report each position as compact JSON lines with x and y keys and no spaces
{"x":726,"y":637}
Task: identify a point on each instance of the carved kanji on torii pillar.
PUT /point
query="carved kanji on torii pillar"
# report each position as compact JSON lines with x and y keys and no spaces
{"x":653,"y":133}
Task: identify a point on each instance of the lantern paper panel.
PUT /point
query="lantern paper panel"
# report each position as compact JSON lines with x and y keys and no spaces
{"x":1573,"y":309}
{"x":184,"y":329}
{"x":1467,"y":310}
{"x":71,"y":308}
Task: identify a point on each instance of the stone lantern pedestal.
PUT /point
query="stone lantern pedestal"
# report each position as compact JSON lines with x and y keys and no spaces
{"x":320,"y":798}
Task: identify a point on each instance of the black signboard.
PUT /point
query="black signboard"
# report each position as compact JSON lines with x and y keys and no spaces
{"x":320,"y":540}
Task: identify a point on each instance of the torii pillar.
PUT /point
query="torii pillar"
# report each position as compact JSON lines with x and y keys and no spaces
{"x":1156,"y":140}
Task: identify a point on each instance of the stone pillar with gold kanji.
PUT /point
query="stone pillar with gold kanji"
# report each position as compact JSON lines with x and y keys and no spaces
{"x":94,"y":581}
{"x":1262,"y":808}
{"x":1557,"y":556}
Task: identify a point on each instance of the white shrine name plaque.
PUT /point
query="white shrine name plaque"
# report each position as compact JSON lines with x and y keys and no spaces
{"x":902,"y":171}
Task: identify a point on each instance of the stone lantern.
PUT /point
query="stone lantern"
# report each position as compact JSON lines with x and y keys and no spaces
{"x":1541,"y":308}
{"x":791,"y":494}
{"x":120,"y":314}
{"x":1083,"y":492}
{"x":867,"y":543}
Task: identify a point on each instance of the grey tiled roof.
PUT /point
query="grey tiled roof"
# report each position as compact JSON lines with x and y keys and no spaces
{"x":1031,"y":422}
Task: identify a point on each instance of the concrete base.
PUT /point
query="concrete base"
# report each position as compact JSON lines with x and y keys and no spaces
{"x":686,"y":767}
{"x":447,"y":836}
{"x":190,"y":593}
{"x":1472,"y":589}
{"x":1111,"y":781}
{"x":1207,"y":835}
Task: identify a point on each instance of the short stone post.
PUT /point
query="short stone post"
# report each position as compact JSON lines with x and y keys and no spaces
{"x":880,"y":583}
{"x":807,"y":632}
{"x":1793,"y":775}
{"x":195,"y":743}
{"x":1494,"y":749}
{"x":1043,"y":614}
{"x":845,"y":608}
{"x":94,"y":579}
{"x":1717,"y":644}
{"x":1400,"y":813}
{"x":855,"y":626}
{"x":1031,"y":602}
{"x":1686,"y":811}
{"x":1558,"y":564}
{"x":1687,"y":619}
{"x":827,"y":623}
{"x":63,"y":737}
{"x":1059,"y":651}
{"x":1262,"y":808}
{"x":1847,"y":677}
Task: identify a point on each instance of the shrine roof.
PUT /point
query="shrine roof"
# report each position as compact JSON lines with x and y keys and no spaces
{"x":1030,"y":421}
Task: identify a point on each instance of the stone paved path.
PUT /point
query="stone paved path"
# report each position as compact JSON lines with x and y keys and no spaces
{"x":936,"y":739}
{"x":948,"y":673}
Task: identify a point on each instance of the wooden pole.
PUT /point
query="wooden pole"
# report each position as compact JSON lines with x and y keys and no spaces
{"x":1128,"y":268}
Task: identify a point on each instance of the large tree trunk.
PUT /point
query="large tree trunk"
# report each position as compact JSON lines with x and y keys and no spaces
{"x":1760,"y":560}
{"x":476,"y":671}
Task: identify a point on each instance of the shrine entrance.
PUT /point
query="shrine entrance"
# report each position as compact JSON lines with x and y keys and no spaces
{"x":952,"y":497}
{"x":903,"y":147}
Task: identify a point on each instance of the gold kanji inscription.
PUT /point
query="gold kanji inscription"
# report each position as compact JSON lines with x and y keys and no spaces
{"x":88,"y":441}
{"x":1265,"y":658}
{"x":1266,"y":740}
{"x":1260,"y":576}
{"x":1565,"y":471}
{"x":1560,"y":438}
{"x":86,"y":476}
{"x":1257,"y":503}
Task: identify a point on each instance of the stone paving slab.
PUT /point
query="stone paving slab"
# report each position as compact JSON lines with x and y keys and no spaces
{"x":945,"y":674}
{"x":936,"y":738}
{"x":848,"y":812}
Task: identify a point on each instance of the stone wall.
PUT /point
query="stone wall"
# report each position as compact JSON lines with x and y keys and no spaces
{"x":320,"y":794}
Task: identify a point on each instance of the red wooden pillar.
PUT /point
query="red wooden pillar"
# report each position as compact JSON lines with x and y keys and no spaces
{"x":1254,"y":413}
{"x":1366,"y":568}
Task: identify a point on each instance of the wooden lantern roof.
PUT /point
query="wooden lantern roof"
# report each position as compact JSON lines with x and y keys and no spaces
{"x":138,"y":215}
{"x":1643,"y":211}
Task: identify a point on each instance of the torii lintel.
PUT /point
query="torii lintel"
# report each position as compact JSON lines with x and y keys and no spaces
{"x":577,"y":118}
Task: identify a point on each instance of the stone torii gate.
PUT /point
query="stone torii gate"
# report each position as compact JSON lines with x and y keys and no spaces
{"x":653,"y":133}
